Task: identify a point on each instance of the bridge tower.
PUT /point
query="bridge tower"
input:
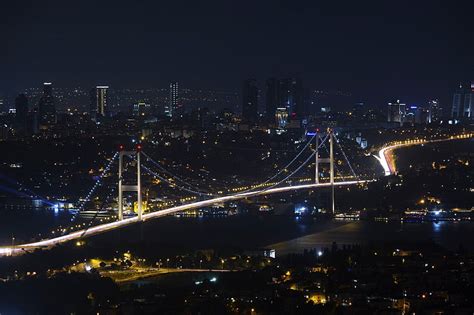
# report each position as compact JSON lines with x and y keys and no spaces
{"x":329,"y":161}
{"x":122,"y":187}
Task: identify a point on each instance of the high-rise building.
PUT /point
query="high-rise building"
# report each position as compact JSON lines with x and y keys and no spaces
{"x":281,"y":117}
{"x":416,"y":115}
{"x":141,"y":109}
{"x":463,"y":102}
{"x":435,"y":111}
{"x":47,"y":108}
{"x":173,"y":101}
{"x":272,"y":98}
{"x":250,"y":100}
{"x":98,"y":99}
{"x":21,"y":116}
{"x":291,"y":97}
{"x":456,"y":109}
{"x":396,"y":112}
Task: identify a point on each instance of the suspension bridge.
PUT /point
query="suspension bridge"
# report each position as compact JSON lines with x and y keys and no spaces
{"x":274,"y":184}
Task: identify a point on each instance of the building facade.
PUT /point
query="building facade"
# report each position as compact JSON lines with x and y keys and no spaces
{"x":250,"y":100}
{"x":173,"y":101}
{"x":396,"y":112}
{"x":47,"y":107}
{"x":463,"y":102}
{"x":99,"y":99}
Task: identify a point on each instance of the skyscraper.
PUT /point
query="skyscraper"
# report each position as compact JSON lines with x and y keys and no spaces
{"x":291,"y":96}
{"x":98,"y":106}
{"x":463,"y":102}
{"x":47,"y":108}
{"x":281,"y":117}
{"x":173,"y":100}
{"x":250,"y":100}
{"x":21,"y":116}
{"x":435,"y":111}
{"x":272,"y":98}
{"x":396,"y":112}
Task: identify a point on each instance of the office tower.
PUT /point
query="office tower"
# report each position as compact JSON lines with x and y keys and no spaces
{"x":469,"y":102}
{"x":396,"y":112}
{"x":416,"y":115}
{"x":250,"y":100}
{"x":98,"y":99}
{"x":173,"y":102}
{"x":47,"y":108}
{"x":291,"y":97}
{"x":463,"y":102}
{"x":456,"y":109}
{"x":272,"y":98}
{"x":281,"y":117}
{"x":435,"y":111}
{"x":141,"y":109}
{"x":21,"y":117}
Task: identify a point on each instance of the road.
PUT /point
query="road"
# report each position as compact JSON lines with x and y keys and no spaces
{"x":21,"y":248}
{"x":385,"y":156}
{"x":128,"y":275}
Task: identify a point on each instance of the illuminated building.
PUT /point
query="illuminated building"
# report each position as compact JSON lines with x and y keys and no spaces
{"x":416,"y":115}
{"x":291,"y":96}
{"x":141,"y":109}
{"x":173,"y":102}
{"x":285,"y":93}
{"x":281,"y":117}
{"x":99,"y":101}
{"x":47,"y":108}
{"x":435,"y":111}
{"x":396,"y":112}
{"x":463,"y":102}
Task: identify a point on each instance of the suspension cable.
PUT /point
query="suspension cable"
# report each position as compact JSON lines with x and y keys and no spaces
{"x":173,"y":184}
{"x":293,"y":173}
{"x":288,"y":165}
{"x":177,"y":178}
{"x":106,"y":199}
{"x":96,"y":184}
{"x":345,"y":157}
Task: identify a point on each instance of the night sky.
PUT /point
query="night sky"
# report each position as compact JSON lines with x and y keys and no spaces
{"x":375,"y":49}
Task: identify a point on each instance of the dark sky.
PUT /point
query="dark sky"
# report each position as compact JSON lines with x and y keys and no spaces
{"x":375,"y":49}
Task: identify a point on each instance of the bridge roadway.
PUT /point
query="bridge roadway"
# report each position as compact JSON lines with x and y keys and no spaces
{"x":386,"y":160}
{"x":94,"y":230}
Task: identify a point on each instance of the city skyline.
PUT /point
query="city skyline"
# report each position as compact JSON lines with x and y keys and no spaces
{"x":328,"y":46}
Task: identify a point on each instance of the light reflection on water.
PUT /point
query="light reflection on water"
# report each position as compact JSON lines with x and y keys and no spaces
{"x":450,"y":235}
{"x":437,"y":226}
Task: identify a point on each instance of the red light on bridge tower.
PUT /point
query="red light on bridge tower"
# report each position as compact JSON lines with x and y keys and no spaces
{"x":121,"y":147}
{"x":139,"y":147}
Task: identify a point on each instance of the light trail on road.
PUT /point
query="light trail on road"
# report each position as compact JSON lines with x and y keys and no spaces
{"x":19,"y":249}
{"x":386,"y":161}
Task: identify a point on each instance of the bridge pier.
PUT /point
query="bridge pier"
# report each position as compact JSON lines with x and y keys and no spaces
{"x":329,"y":161}
{"x":137,"y":187}
{"x":331,"y":169}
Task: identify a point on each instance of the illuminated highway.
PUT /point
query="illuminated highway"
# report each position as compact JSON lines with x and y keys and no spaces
{"x":385,"y":156}
{"x":18,"y":249}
